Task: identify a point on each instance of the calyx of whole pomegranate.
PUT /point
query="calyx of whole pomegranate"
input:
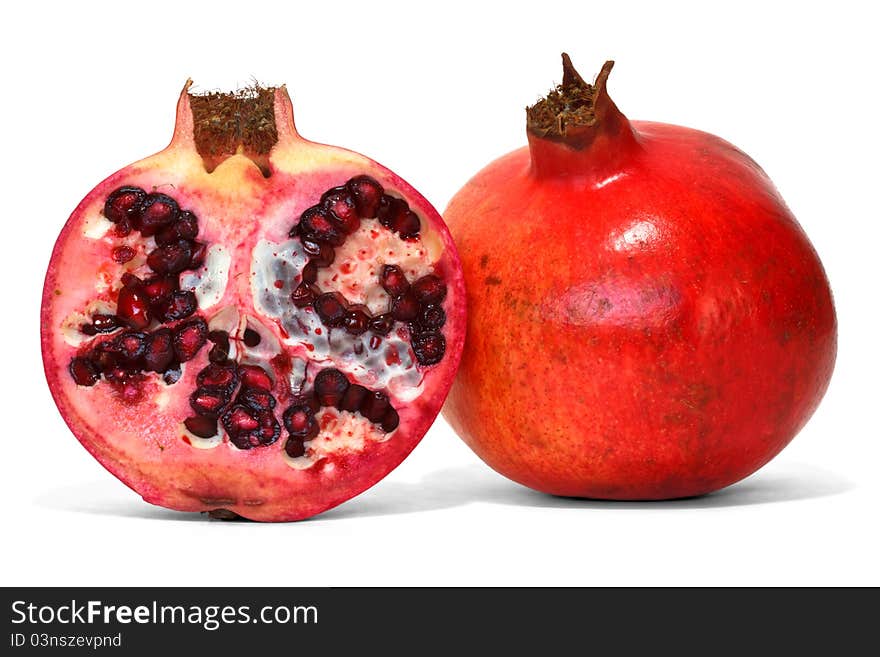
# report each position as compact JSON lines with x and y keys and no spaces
{"x":249,"y":323}
{"x":669,"y":328}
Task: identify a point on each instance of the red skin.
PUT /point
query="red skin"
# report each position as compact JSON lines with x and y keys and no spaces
{"x":647,"y":320}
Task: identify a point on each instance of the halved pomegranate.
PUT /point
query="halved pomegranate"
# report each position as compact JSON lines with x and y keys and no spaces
{"x":217,"y":327}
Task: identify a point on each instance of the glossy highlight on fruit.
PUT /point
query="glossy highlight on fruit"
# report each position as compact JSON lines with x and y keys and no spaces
{"x":647,"y":320}
{"x":215,"y":330}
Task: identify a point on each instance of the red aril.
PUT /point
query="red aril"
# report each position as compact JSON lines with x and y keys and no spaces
{"x":182,"y":334}
{"x":647,"y":319}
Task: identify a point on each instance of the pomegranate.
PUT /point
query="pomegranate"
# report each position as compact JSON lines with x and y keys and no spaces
{"x":217,"y":329}
{"x":647,"y":320}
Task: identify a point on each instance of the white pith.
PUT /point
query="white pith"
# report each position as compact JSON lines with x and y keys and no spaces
{"x":71,"y":326}
{"x":358,"y":262}
{"x":210,"y":280}
{"x":95,"y":226}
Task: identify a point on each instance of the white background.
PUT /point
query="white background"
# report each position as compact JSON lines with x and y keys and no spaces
{"x":436,"y":91}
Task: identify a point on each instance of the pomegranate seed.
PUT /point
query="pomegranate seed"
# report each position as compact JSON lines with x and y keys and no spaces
{"x":104,"y":356}
{"x":218,"y":336}
{"x":330,"y":386}
{"x":405,"y":308}
{"x":353,"y":398}
{"x":208,"y":401}
{"x":315,"y":224}
{"x":171,"y":258}
{"x":374,"y":406}
{"x":160,"y":286}
{"x":429,"y":348}
{"x":124,"y":203}
{"x":407,"y":225}
{"x":366,"y":193}
{"x":220,"y":351}
{"x":256,"y":399}
{"x":340,"y":204}
{"x":132,"y":307}
{"x":357,"y":320}
{"x":105,"y":323}
{"x":185,"y":228}
{"x":219,"y":354}
{"x":393,"y":280}
{"x":331,"y":308}
{"x":389,"y":208}
{"x":309,"y":273}
{"x":239,"y":420}
{"x":159,"y":351}
{"x":303,"y":295}
{"x":245,"y":441}
{"x":390,"y":420}
{"x":167,"y":235}
{"x":203,"y":427}
{"x":189,"y":337}
{"x":187,"y":225}
{"x":254,"y":376}
{"x":394,"y":214}
{"x":123,"y":228}
{"x":83,"y":371}
{"x":224,"y":377}
{"x":295,"y":448}
{"x":122,"y":254}
{"x":199,"y":253}
{"x":269,"y":430}
{"x":157,"y":211}
{"x":130,"y":345}
{"x":432,"y":317}
{"x":382,"y":324}
{"x":299,"y":420}
{"x":181,"y":304}
{"x":429,"y":290}
{"x":251,"y":338}
{"x":130,"y":280}
{"x":324,"y":257}
{"x":305,"y":399}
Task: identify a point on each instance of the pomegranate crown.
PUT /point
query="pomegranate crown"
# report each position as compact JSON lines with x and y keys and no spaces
{"x":573,"y":111}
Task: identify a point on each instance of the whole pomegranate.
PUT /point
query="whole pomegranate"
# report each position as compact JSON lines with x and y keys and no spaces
{"x":647,"y":319}
{"x":249,"y":323}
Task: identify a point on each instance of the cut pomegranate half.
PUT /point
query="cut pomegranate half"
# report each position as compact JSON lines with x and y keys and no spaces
{"x":250,"y":323}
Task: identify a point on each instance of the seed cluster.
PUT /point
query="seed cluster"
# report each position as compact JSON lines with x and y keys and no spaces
{"x":122,"y":358}
{"x":239,"y":396}
{"x":140,"y":303}
{"x":326,"y":225}
{"x":333,"y":389}
{"x":159,"y":297}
